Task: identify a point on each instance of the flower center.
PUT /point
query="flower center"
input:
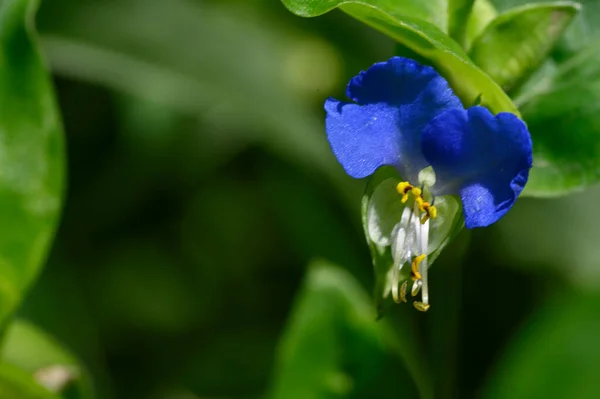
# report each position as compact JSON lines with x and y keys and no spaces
{"x":410,"y":245}
{"x":404,"y":188}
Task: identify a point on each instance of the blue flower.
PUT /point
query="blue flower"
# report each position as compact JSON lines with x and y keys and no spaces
{"x":405,"y":115}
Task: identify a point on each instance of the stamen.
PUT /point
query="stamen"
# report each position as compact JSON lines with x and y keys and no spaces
{"x":395,"y":278}
{"x":412,"y":236}
{"x":416,"y":287}
{"x":423,"y":241}
{"x":423,"y":307}
{"x":404,"y":236}
{"x":419,"y":204}
{"x":430,"y":211}
{"x":403,"y":188}
{"x":415,"y":274}
{"x":403,"y":291}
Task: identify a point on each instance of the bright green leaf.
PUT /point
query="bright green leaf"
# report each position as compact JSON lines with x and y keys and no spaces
{"x":425,"y":39}
{"x":563,"y":115}
{"x":460,"y":11}
{"x":432,"y":11}
{"x":31,"y":154}
{"x":18,"y":384}
{"x":515,"y":43}
{"x":483,"y":13}
{"x":334,"y":348}
{"x":32,"y":350}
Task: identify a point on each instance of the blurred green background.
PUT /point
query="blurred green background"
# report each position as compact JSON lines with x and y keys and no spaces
{"x":200,"y":188}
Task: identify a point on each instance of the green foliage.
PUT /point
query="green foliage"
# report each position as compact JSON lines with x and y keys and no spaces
{"x":31,"y":154}
{"x":482,"y":14}
{"x":425,"y":39}
{"x":434,"y":12}
{"x":563,"y":114}
{"x":586,"y":28}
{"x":555,"y":345}
{"x":17,"y":384}
{"x":559,"y":104}
{"x":172,"y":75}
{"x":333,"y":348}
{"x":34,"y":351}
{"x":203,"y":183}
{"x":459,"y":13}
{"x":515,"y":43}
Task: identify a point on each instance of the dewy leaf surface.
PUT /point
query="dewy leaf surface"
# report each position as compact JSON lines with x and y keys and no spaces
{"x":516,"y":43}
{"x":423,"y":37}
{"x":31,"y":154}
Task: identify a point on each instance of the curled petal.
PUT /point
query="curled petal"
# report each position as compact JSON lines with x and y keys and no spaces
{"x":481,"y":157}
{"x":394,"y":101}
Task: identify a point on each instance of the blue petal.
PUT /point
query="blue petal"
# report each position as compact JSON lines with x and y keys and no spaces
{"x":483,"y":158}
{"x":394,"y":101}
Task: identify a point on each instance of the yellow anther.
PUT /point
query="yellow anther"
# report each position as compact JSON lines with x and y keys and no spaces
{"x":430,"y":212}
{"x":419,"y":201}
{"x":403,"y":291}
{"x":404,"y":188}
{"x":416,"y":191}
{"x":415,"y":267}
{"x":423,"y":307}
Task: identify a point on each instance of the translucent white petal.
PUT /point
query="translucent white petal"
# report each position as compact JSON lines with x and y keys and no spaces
{"x":384,"y":212}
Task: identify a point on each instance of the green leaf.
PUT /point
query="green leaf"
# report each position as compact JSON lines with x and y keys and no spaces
{"x":563,"y":115}
{"x":31,"y":154}
{"x":516,"y":43}
{"x":483,"y":13}
{"x":556,"y":354}
{"x":432,"y":11}
{"x":460,"y":11}
{"x":18,"y":384}
{"x":425,"y":39}
{"x":584,"y":30}
{"x":34,"y":351}
{"x":333,"y":347}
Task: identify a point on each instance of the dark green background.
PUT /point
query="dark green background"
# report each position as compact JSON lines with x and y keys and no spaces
{"x":200,"y":186}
